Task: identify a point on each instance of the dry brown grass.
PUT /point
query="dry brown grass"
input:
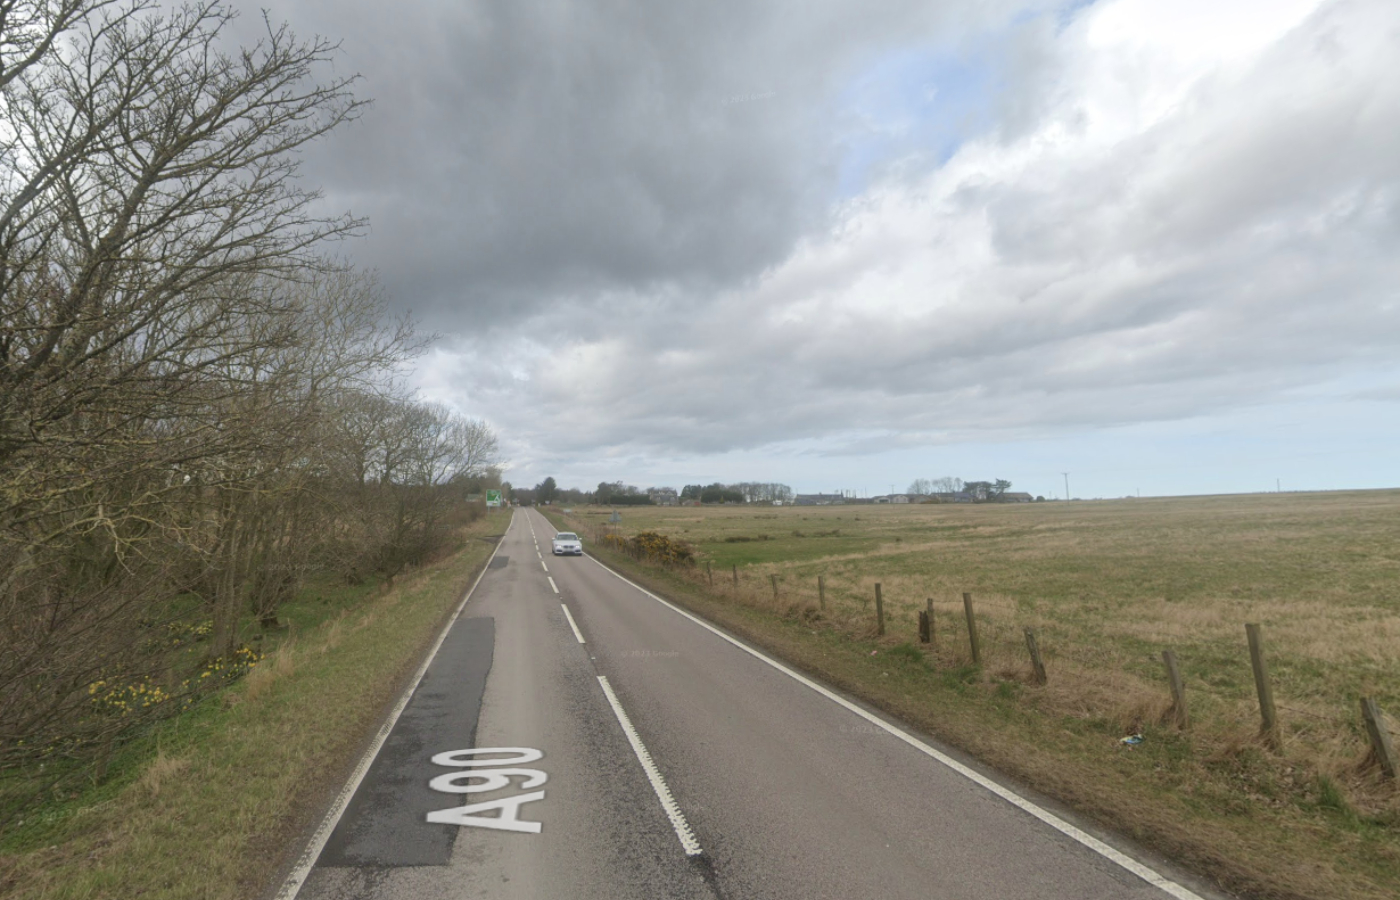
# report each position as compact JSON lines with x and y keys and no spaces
{"x":279,"y":666}
{"x":161,"y":771}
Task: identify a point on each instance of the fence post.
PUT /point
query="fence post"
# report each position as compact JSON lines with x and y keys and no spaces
{"x":923,"y":627}
{"x":774,"y":579}
{"x":736,"y":577}
{"x":972,"y":630}
{"x":879,"y":612}
{"x":1183,"y":719}
{"x":1379,"y":733}
{"x":932,"y":628}
{"x":1269,"y":730}
{"x":709,"y":574}
{"x":821,"y":592}
{"x":1037,"y":666}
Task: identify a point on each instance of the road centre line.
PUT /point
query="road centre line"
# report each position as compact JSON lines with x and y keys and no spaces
{"x":543,"y":566}
{"x":301,"y":869}
{"x":658,"y":784}
{"x":572,"y":624}
{"x":553,"y":585}
{"x":1087,"y":840}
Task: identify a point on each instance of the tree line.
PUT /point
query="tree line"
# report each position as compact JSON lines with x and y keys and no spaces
{"x":740,"y":492}
{"x":618,"y":493}
{"x":197,"y":401}
{"x":976,"y":491}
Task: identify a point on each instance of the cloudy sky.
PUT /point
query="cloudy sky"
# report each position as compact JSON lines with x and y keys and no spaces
{"x":1151,"y":243}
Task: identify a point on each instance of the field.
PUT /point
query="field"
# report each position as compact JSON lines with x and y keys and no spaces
{"x":1107,"y":586}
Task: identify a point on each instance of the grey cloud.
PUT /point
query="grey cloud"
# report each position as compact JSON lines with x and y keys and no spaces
{"x":1226,"y":256}
{"x":521,"y":154}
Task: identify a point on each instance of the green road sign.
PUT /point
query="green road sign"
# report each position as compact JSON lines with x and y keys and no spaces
{"x":493,"y":498}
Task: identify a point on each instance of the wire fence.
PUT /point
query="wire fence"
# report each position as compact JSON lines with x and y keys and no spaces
{"x":1025,"y":640}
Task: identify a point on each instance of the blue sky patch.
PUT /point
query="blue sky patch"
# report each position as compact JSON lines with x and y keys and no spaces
{"x":920,"y":104}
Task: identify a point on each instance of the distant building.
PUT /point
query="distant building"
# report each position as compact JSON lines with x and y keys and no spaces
{"x":818,"y":500}
{"x":664,"y":497}
{"x":1016,"y":497}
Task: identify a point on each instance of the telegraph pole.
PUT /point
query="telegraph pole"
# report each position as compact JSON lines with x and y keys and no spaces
{"x":1066,"y":474}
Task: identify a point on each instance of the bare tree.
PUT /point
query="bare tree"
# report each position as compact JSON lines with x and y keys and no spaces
{"x":164,"y":353}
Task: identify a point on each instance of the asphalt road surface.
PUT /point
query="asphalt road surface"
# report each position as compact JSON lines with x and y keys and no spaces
{"x":575,"y":737}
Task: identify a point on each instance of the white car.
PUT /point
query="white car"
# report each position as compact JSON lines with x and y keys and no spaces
{"x":566,"y":542}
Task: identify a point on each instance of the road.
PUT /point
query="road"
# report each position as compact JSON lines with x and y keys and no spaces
{"x":652,"y":756}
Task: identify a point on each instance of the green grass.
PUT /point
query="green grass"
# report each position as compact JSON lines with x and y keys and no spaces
{"x":1107,"y":586}
{"x":209,"y":804}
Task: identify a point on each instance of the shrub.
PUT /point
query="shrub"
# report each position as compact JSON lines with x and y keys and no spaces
{"x":654,"y":547}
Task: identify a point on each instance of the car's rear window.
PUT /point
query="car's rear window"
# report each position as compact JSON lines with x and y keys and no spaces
{"x":566,"y":536}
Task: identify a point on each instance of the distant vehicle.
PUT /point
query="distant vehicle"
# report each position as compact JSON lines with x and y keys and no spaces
{"x":567,"y":543}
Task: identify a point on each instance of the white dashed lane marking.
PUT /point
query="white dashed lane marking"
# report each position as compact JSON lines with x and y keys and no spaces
{"x":658,"y":784}
{"x":572,"y":624}
{"x":553,"y":585}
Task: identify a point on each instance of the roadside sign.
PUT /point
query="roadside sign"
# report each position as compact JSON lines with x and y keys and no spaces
{"x":493,"y":498}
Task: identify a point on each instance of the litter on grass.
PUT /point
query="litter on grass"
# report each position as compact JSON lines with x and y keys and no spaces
{"x":1131,"y":740}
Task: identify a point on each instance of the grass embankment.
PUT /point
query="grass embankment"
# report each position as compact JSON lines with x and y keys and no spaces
{"x":1107,"y":586}
{"x":210,"y":804}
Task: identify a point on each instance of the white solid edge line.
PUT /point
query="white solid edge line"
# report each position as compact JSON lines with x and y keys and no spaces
{"x":658,"y":784}
{"x":1147,"y":874}
{"x":292,"y":886}
{"x":572,"y":624}
{"x":553,"y":585}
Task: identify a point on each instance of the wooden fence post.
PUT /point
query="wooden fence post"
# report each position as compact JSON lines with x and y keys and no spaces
{"x":821,"y":592}
{"x":879,"y":612}
{"x":1379,"y":733}
{"x":972,"y":630}
{"x":709,"y":574}
{"x":774,"y":578}
{"x":736,"y":578}
{"x":923,"y":627}
{"x":1183,"y":719}
{"x":1269,"y":716}
{"x":932,"y":628}
{"x":1037,"y":666}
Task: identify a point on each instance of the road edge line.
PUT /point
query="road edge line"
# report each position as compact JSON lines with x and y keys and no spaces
{"x":1142,"y":871}
{"x":292,"y":885}
{"x":658,"y":784}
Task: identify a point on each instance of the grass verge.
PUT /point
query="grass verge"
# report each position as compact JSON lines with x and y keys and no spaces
{"x":210,"y":804}
{"x":1231,"y":812}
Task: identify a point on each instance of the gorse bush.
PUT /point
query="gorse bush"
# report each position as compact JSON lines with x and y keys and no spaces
{"x":653,"y":547}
